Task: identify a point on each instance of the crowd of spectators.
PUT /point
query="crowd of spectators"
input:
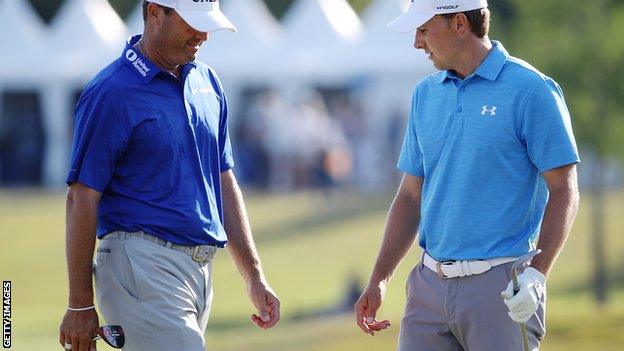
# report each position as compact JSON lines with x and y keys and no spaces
{"x":316,"y":141}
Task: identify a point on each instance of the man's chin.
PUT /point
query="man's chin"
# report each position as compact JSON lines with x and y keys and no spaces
{"x":439,"y":66}
{"x":188,"y":57}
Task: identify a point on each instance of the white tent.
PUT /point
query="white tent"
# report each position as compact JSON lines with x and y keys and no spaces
{"x":388,"y":61}
{"x":386,"y":58}
{"x":86,"y":35}
{"x":241,"y":59}
{"x":135,"y":21}
{"x":318,"y":33}
{"x":22,"y":35}
{"x":388,"y":67}
{"x":384,"y":50}
{"x":244,"y":54}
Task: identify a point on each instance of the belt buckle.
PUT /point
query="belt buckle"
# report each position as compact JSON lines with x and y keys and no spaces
{"x":202,"y":254}
{"x":439,"y":268}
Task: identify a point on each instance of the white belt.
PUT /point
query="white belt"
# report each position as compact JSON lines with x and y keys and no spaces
{"x":455,"y":269}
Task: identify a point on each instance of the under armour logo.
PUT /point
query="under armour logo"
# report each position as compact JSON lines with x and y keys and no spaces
{"x":491,"y":111}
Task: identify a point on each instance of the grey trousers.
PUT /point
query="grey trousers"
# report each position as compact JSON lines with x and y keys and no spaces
{"x":160,"y":296}
{"x":463,"y":314}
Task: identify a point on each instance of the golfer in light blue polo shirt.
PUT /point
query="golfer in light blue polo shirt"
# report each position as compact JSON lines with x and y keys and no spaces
{"x":489,"y":159}
{"x":480,"y":144}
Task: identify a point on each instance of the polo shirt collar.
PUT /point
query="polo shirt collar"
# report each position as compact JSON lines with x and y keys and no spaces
{"x":138,"y":63}
{"x":448,"y":74}
{"x":494,"y":62}
{"x":490,"y":68}
{"x":142,"y":66}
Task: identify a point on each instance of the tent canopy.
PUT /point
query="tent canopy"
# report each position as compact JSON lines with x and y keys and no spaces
{"x":384,"y":51}
{"x":135,"y":22}
{"x":317,"y":34}
{"x":246,"y":52}
{"x":86,"y":35}
{"x":22,"y":35}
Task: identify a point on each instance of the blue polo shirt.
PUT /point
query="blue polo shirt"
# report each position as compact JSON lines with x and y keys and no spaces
{"x":481,"y":144}
{"x":154,"y":146}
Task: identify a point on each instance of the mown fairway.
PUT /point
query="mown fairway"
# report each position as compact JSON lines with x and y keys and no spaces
{"x":311,"y":245}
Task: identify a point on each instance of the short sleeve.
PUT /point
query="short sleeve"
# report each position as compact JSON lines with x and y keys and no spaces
{"x":101,"y":135}
{"x":546,"y":128}
{"x":226,"y":161}
{"x":411,"y":159}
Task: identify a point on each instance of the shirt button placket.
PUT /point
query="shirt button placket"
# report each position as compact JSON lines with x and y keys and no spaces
{"x":459,"y":116}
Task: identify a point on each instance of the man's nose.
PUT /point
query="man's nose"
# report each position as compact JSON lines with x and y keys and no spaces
{"x":419,"y":43}
{"x":203,"y":36}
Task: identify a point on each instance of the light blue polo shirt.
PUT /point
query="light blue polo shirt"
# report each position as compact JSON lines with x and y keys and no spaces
{"x":480,"y":144}
{"x":154,"y":146}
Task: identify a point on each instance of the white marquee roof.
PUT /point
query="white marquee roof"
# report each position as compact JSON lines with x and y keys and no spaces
{"x":384,"y":50}
{"x":135,"y":22}
{"x":317,"y":33}
{"x":246,"y":52}
{"x":22,"y":34}
{"x":320,"y":40}
{"x":86,"y":35}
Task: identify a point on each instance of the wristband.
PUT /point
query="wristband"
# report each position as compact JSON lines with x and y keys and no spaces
{"x":92,"y":307}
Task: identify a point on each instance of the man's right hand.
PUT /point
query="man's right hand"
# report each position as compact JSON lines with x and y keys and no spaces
{"x":78,"y":328}
{"x":366,"y":309}
{"x":266,"y":302}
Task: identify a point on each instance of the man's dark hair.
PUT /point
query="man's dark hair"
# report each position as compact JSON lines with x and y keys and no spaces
{"x":479,"y":20}
{"x":168,"y":10}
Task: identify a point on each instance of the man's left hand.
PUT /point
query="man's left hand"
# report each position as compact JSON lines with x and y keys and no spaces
{"x":523,"y":304}
{"x":267,"y":304}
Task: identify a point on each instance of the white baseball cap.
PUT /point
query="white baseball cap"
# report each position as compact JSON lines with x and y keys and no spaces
{"x":420,"y":11}
{"x":202,"y":15}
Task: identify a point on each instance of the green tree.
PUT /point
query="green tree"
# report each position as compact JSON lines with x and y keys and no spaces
{"x":579,"y":43}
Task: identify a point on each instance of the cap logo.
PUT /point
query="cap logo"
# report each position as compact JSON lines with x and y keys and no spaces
{"x":448,"y":7}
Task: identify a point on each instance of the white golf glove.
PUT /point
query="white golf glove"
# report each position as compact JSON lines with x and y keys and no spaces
{"x":524,"y":303}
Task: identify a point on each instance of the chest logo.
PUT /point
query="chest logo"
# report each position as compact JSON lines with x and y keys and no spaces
{"x":201,"y":90}
{"x":491,"y":111}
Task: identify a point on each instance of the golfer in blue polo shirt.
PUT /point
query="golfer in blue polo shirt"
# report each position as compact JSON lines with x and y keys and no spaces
{"x":489,"y":162}
{"x":151,"y":177}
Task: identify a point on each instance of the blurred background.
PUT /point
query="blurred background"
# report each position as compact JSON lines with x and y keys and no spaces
{"x":319,"y":92}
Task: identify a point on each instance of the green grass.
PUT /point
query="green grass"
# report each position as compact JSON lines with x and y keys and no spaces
{"x":310,"y":245}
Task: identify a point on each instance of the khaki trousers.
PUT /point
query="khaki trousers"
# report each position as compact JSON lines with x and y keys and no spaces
{"x":160,"y":296}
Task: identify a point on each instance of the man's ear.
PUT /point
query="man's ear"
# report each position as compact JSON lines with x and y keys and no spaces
{"x":460,"y":23}
{"x":154,"y":12}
